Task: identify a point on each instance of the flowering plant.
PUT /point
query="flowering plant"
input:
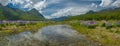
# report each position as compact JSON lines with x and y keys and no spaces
{"x":117,"y":24}
{"x":90,"y":24}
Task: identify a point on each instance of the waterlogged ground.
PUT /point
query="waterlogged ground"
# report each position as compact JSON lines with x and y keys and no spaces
{"x":57,"y":35}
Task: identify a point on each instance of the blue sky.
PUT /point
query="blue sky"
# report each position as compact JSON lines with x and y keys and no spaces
{"x":60,"y":8}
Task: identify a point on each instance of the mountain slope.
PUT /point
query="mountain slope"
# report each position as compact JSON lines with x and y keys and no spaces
{"x":7,"y":13}
{"x":107,"y":14}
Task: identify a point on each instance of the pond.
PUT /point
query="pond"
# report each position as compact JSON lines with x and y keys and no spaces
{"x":56,"y":35}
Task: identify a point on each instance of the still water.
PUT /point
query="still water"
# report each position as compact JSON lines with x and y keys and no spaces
{"x":57,"y":35}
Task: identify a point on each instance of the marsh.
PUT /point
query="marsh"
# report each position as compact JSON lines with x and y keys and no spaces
{"x":55,"y":35}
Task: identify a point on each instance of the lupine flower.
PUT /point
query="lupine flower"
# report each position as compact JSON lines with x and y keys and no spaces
{"x":1,"y":22}
{"x":90,"y":24}
{"x":117,"y":24}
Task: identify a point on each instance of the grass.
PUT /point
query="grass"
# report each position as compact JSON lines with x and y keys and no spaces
{"x":101,"y":35}
{"x":105,"y":37}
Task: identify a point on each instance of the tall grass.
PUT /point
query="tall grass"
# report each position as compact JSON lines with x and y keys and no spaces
{"x":100,"y":34}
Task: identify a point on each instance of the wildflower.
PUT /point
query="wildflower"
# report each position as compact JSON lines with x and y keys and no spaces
{"x":90,"y":24}
{"x":117,"y":24}
{"x":1,"y":22}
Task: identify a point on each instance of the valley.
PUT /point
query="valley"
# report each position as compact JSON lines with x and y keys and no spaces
{"x":28,"y":26}
{"x":97,"y":32}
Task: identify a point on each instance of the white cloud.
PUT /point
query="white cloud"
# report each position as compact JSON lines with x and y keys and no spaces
{"x":27,"y":5}
{"x":69,"y":11}
{"x":17,"y":1}
{"x":40,"y":5}
{"x":116,"y":3}
{"x":110,"y":3}
{"x":94,"y":5}
{"x":90,"y":0}
{"x":72,"y":10}
{"x":4,"y":2}
{"x":106,"y":3}
{"x":62,"y":12}
{"x":65,"y":7}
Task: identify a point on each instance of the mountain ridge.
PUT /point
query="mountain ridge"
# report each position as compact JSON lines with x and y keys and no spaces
{"x":8,"y":13}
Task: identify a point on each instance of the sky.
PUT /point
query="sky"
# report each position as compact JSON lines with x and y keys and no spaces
{"x":60,"y":8}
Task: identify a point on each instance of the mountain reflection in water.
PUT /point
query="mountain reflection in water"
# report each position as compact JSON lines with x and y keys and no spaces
{"x":58,"y":35}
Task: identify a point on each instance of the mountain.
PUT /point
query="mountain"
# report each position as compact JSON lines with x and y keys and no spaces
{"x":9,"y":13}
{"x":90,"y":12}
{"x":0,"y":5}
{"x":59,"y":19}
{"x":16,"y":6}
{"x":106,"y":14}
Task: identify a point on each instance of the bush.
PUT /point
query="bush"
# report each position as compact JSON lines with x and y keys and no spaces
{"x":21,"y":24}
{"x":0,"y":28}
{"x":107,"y":25}
{"x":2,"y":25}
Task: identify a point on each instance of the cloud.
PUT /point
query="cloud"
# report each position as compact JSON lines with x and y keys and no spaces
{"x":61,"y":12}
{"x":4,"y":2}
{"x":23,"y":3}
{"x":59,"y":8}
{"x":72,"y":9}
{"x":37,"y":4}
{"x":94,"y":5}
{"x":106,"y":3}
{"x":116,"y":3}
{"x":90,"y":0}
{"x":110,"y":3}
{"x":40,"y":5}
{"x":56,"y":8}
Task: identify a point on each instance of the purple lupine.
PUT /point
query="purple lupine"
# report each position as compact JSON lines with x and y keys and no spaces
{"x":91,"y":24}
{"x":117,"y":23}
{"x":1,"y":22}
{"x":4,"y":21}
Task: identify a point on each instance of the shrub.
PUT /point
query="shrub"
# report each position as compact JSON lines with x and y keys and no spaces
{"x":0,"y":28}
{"x":2,"y":25}
{"x":107,"y":25}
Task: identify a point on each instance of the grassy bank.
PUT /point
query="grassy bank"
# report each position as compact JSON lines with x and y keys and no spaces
{"x":14,"y":28}
{"x":101,"y":35}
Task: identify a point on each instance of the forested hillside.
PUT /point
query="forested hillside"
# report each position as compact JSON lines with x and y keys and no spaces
{"x":7,"y":13}
{"x":106,"y":14}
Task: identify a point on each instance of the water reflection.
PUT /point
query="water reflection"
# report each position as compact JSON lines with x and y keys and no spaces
{"x":58,"y":35}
